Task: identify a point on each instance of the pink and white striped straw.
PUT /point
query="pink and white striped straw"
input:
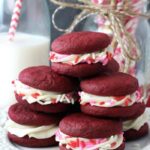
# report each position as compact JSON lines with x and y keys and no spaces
{"x":15,"y":19}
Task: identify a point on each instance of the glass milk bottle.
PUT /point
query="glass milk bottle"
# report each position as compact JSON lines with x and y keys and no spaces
{"x":29,"y":47}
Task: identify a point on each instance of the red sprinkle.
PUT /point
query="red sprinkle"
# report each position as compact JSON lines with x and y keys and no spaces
{"x":53,"y":101}
{"x":82,"y":143}
{"x":109,"y":56}
{"x":35,"y":95}
{"x":113,"y":144}
{"x":102,"y":103}
{"x":90,"y":60}
{"x":77,"y":59}
{"x":93,"y":141}
{"x":74,"y":144}
{"x":118,"y":98}
{"x":128,"y":100}
{"x":21,"y":94}
{"x":52,"y":56}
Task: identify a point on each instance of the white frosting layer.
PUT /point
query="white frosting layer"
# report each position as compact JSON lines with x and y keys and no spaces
{"x":41,"y":132}
{"x":77,"y":143}
{"x":32,"y":95}
{"x":135,"y":124}
{"x":104,"y":101}
{"x":74,"y":59}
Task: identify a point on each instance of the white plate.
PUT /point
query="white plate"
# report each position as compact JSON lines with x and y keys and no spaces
{"x":5,"y":144}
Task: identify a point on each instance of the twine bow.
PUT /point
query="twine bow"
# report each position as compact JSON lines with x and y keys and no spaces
{"x":115,"y":17}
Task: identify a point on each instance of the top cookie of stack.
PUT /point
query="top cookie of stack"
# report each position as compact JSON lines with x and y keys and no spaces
{"x":82,"y":54}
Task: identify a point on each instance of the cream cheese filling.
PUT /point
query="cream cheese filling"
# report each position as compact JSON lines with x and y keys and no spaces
{"x":32,"y":95}
{"x":38,"y":132}
{"x":75,"y":59}
{"x":77,"y":143}
{"x":136,"y":124}
{"x":108,"y":101}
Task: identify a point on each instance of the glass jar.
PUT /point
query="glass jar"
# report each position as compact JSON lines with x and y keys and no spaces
{"x":139,"y":28}
{"x":30,"y":46}
{"x":143,"y":38}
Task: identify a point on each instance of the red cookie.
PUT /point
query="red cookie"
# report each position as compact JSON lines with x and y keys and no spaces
{"x":32,"y":142}
{"x":84,"y":132}
{"x":63,"y":147}
{"x":115,"y":84}
{"x":43,"y":78}
{"x":134,"y":135}
{"x":84,"y":70}
{"x":133,"y":111}
{"x":77,"y":125}
{"x":80,"y":42}
{"x":24,"y":116}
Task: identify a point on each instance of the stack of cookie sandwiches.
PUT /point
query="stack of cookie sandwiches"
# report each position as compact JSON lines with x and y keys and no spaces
{"x":82,"y":54}
{"x":43,"y":96}
{"x":110,"y":106}
{"x":109,"y":100}
{"x":116,"y":96}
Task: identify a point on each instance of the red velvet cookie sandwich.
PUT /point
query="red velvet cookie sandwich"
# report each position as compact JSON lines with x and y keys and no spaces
{"x":136,"y":128}
{"x":111,"y":95}
{"x":81,"y":54}
{"x":31,"y":129}
{"x":43,"y":90}
{"x":80,"y":131}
